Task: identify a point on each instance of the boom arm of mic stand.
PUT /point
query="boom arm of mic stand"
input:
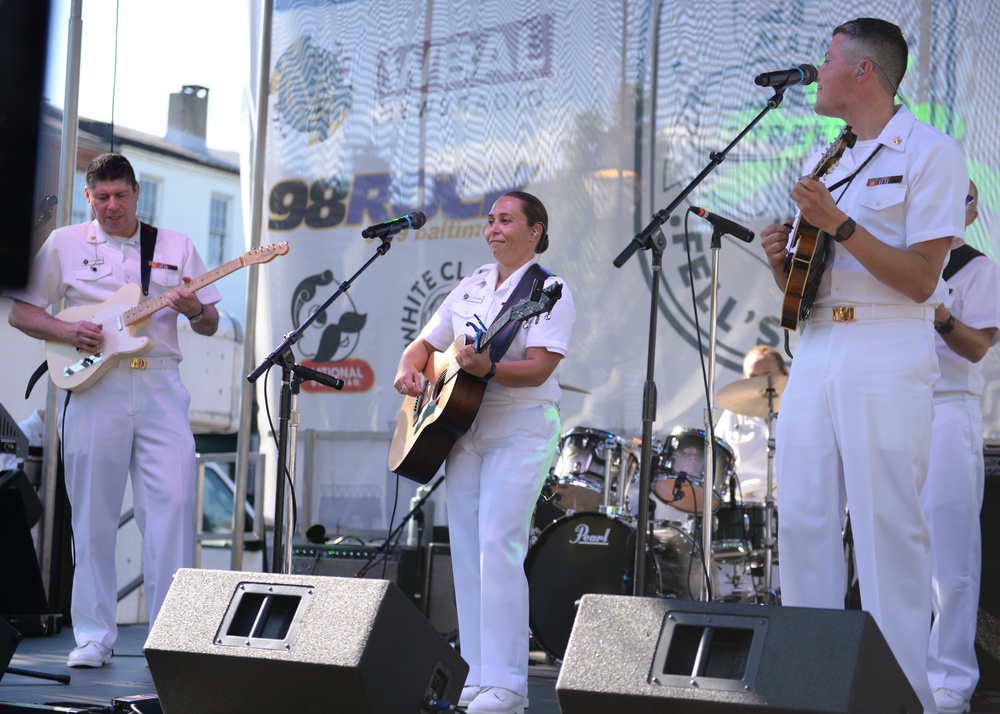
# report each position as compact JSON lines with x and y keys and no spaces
{"x":292,"y":337}
{"x":647,"y":237}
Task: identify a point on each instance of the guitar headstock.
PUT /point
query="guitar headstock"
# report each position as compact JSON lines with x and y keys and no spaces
{"x":264,"y":253}
{"x":831,"y":157}
{"x":541,"y":301}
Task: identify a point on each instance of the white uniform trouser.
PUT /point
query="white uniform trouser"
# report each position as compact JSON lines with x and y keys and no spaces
{"x":131,"y":421}
{"x":952,"y":499}
{"x":494,"y":475}
{"x":855,"y":428}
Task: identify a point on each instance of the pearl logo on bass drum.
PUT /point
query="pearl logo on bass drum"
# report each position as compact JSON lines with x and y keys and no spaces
{"x":583,"y":536}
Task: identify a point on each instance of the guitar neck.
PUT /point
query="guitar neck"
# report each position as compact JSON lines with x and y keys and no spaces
{"x":493,"y":330}
{"x":148,"y":308}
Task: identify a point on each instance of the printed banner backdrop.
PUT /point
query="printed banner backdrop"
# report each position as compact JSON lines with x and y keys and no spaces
{"x":605,"y":110}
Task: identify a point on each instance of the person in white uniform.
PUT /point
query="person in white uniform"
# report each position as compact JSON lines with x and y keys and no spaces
{"x":495,"y":472}
{"x":855,"y":425}
{"x":133,"y":420}
{"x":747,"y":435}
{"x":967,"y":325}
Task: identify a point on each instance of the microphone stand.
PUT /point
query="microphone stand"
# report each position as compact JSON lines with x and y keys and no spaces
{"x":651,"y":238}
{"x":281,"y":561}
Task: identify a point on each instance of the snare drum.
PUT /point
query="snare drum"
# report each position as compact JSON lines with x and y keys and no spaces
{"x":581,"y":468}
{"x":680,"y":476}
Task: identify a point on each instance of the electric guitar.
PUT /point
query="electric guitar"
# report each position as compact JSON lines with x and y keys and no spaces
{"x":811,"y":245}
{"x":120,"y":317}
{"x":430,"y":423}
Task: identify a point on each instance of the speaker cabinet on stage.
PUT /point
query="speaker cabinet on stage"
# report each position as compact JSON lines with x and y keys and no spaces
{"x":658,"y":655}
{"x":439,"y":590}
{"x":256,"y":642}
{"x":398,"y":565}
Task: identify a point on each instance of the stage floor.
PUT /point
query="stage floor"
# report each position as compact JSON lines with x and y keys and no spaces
{"x":95,"y":690}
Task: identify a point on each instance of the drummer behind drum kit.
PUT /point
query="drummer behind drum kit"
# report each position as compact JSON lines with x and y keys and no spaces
{"x":587,"y":522}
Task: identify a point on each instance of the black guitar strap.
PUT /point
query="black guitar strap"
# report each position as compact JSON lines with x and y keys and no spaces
{"x":958,"y":259}
{"x":147,"y":244}
{"x":501,"y":343}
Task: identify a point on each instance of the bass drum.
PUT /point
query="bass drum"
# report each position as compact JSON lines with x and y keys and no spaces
{"x":579,"y":554}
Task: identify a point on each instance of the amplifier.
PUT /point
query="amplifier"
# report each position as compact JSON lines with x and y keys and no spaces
{"x":399,"y":565}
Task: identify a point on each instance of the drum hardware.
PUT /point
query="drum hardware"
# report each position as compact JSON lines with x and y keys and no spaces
{"x":760,"y":397}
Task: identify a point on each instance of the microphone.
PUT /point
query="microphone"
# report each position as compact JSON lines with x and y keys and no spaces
{"x":678,"y":492}
{"x":803,"y":74}
{"x":725,"y":225}
{"x":413,"y":219}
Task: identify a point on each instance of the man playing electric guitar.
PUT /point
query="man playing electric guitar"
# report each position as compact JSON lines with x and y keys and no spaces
{"x":134,"y":419}
{"x":495,"y":472}
{"x":856,"y":414}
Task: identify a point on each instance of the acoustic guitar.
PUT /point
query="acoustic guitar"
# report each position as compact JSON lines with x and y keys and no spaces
{"x":430,"y":423}
{"x":120,"y":317}
{"x":810,"y":245}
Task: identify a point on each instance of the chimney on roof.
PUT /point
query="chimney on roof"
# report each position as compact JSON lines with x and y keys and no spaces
{"x":188,"y":117}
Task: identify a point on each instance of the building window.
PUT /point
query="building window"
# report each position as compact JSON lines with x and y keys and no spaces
{"x":218,"y":224}
{"x":81,"y":209}
{"x":149,"y":195}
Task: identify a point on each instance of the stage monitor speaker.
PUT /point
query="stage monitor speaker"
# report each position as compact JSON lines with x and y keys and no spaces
{"x":22,"y":591}
{"x":667,"y":656}
{"x":9,"y":640}
{"x":255,"y":642}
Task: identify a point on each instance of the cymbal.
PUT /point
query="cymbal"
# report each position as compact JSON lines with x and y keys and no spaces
{"x":749,"y":396}
{"x":569,"y":388}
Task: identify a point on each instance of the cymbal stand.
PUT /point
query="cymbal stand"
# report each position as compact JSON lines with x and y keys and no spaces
{"x":769,"y":535}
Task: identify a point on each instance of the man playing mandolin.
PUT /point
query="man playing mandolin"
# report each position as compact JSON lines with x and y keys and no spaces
{"x":495,"y":472}
{"x":856,"y":414}
{"x":133,"y":419}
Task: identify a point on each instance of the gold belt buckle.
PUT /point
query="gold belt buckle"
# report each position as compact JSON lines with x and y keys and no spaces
{"x":843,"y":313}
{"x":138,"y":363}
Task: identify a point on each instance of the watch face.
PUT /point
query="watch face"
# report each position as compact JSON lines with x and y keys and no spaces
{"x":845,"y":230}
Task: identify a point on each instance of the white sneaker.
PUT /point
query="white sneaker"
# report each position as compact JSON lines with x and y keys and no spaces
{"x":89,"y":654}
{"x":950,"y":702}
{"x":469,"y":693}
{"x":497,"y":700}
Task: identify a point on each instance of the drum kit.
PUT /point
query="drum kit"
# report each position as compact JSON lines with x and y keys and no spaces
{"x":585,"y":525}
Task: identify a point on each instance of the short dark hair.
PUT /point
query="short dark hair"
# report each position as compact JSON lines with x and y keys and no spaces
{"x":110,"y":167}
{"x":882,"y":42}
{"x":534,"y":211}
